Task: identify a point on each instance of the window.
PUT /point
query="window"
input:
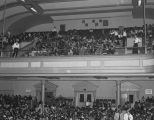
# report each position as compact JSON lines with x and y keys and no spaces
{"x":62,"y":27}
{"x":105,"y":22}
{"x":81,"y":97}
{"x":88,"y":97}
{"x":131,"y":98}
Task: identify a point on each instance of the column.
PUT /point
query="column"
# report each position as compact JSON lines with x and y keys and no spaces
{"x":43,"y":94}
{"x":118,"y":94}
{"x":145,"y":28}
{"x":4,"y":25}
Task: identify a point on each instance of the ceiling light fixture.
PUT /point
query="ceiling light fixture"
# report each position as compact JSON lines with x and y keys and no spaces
{"x":34,"y":10}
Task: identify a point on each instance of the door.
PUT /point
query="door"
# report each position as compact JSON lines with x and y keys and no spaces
{"x":62,"y":27}
{"x":131,"y":98}
{"x":127,"y":96}
{"x":124,"y":98}
{"x":81,"y":99}
{"x":84,"y":99}
{"x":90,"y":99}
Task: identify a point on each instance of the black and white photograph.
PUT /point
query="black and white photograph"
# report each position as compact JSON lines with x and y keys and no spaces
{"x":76,"y":59}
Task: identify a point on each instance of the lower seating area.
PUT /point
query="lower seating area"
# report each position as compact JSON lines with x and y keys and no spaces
{"x":16,"y":107}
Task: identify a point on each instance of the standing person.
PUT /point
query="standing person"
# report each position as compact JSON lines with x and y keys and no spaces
{"x":153,"y":46}
{"x":124,"y":38}
{"x":135,"y":46}
{"x":54,"y":31}
{"x":123,"y":112}
{"x":117,"y":115}
{"x":128,"y":116}
{"x":152,"y":117}
{"x":15,"y":48}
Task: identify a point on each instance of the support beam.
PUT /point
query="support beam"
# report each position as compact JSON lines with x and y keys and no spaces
{"x":145,"y":29}
{"x":3,"y":27}
{"x":118,"y":94}
{"x":43,"y":94}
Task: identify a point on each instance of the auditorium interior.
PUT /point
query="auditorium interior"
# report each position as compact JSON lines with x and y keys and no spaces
{"x":76,"y":59}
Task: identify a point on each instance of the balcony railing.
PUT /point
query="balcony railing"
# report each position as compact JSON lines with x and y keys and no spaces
{"x":79,"y":52}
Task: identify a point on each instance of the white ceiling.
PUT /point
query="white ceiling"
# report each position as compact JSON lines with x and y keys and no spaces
{"x":58,"y":5}
{"x":86,"y":3}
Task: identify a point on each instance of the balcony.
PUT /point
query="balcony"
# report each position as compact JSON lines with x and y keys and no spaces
{"x":77,"y":65}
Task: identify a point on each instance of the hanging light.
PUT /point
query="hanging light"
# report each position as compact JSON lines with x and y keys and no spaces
{"x":139,"y":2}
{"x":34,"y":10}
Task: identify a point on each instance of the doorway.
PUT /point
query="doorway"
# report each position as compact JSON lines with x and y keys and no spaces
{"x":129,"y":92}
{"x":127,"y":97}
{"x":84,"y":93}
{"x":131,"y":98}
{"x":85,"y":99}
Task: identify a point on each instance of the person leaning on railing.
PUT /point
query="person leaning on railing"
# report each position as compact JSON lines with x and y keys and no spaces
{"x":153,"y":46}
{"x":15,"y":48}
{"x":135,"y":46}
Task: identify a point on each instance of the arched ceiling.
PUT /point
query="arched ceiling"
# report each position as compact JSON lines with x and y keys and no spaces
{"x":28,"y":22}
{"x":16,"y":9}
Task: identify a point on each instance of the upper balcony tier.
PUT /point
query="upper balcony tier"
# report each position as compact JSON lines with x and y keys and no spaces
{"x":77,"y":65}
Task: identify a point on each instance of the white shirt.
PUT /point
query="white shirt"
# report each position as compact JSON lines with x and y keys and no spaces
{"x":116,"y":116}
{"x":115,"y":33}
{"x":124,"y":34}
{"x":137,"y":40}
{"x":121,"y":116}
{"x":15,"y":45}
{"x":128,"y":116}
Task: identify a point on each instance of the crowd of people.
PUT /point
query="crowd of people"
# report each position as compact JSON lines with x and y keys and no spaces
{"x":16,"y":107}
{"x":141,"y":110}
{"x":77,"y":42}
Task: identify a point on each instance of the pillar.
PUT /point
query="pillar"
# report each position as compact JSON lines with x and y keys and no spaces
{"x":43,"y":94}
{"x":118,"y":94}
